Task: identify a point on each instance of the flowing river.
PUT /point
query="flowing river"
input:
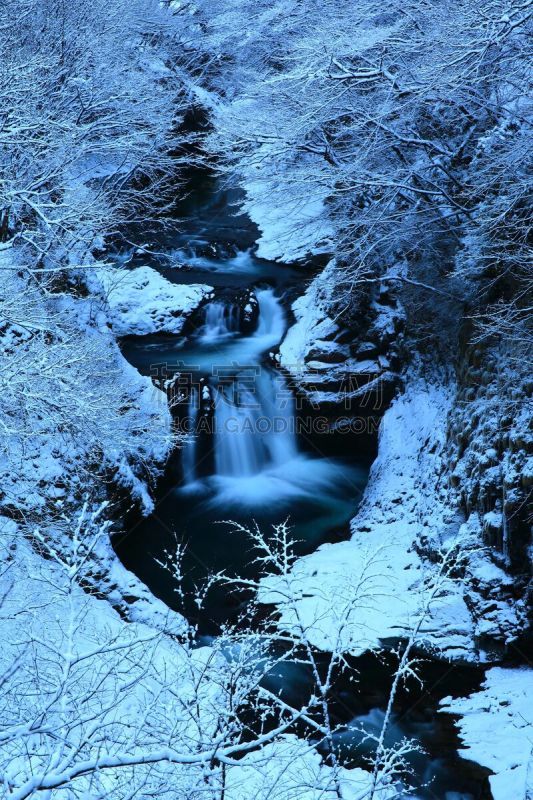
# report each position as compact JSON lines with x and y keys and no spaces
{"x":252,"y":454}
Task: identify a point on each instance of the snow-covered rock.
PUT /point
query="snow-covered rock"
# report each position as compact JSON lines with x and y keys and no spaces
{"x":499,"y":613}
{"x":83,"y":423}
{"x":312,"y":325}
{"x":496,"y":726}
{"x":322,"y":355}
{"x":354,"y":594}
{"x":292,"y":227}
{"x":141,"y":301}
{"x":488,"y":445}
{"x":78,"y":406}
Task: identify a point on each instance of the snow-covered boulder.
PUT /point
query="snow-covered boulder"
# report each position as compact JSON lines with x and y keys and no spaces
{"x":327,"y":362}
{"x":141,"y":301}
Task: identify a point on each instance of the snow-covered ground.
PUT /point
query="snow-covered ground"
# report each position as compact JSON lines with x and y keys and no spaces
{"x":292,"y":226}
{"x":125,"y":708}
{"x":356,"y":593}
{"x":312,"y":324}
{"x":76,"y":410}
{"x":141,"y":301}
{"x":75,"y":382}
{"x":496,"y":726}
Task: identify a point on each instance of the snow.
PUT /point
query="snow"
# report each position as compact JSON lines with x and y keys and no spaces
{"x":493,"y":519}
{"x":76,"y":381}
{"x":70,"y":406}
{"x":297,"y":775}
{"x":43,"y":468}
{"x":141,"y":301}
{"x":292,"y":226}
{"x":314,"y":350}
{"x":76,"y":624}
{"x":312,"y":324}
{"x":496,"y":726}
{"x":356,"y":593}
{"x":148,"y":692}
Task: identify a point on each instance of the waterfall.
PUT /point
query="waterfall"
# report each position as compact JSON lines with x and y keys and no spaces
{"x":277,"y":405}
{"x":189,"y":451}
{"x":221,"y":320}
{"x":239,"y":451}
{"x":253,"y":416}
{"x":272,"y":321}
{"x":254,"y":419}
{"x":254,"y":430}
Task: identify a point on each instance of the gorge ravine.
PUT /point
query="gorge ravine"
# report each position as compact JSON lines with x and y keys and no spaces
{"x":251,"y":453}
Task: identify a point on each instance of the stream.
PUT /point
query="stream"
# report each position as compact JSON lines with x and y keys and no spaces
{"x":252,"y":454}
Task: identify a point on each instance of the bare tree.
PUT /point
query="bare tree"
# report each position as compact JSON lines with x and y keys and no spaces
{"x":95,"y":707}
{"x":88,"y":105}
{"x":409,"y":123}
{"x":90,"y":96}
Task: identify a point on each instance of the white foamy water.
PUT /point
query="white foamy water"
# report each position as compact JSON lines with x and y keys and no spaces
{"x":256,"y":457}
{"x":241,"y":262}
{"x":247,"y":441}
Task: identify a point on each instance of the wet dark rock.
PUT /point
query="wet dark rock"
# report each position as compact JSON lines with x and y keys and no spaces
{"x":366,"y":350}
{"x":218,"y":251}
{"x":249,"y":311}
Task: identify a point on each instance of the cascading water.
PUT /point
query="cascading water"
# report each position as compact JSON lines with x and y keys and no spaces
{"x":239,"y":452}
{"x":241,"y":261}
{"x":221,"y":320}
{"x":254,"y":430}
{"x":245,"y":457}
{"x":253,"y":418}
{"x":255,"y":473}
{"x":256,"y":460}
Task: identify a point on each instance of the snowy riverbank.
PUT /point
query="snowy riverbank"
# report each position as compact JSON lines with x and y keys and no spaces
{"x":380,"y":564}
{"x":496,"y":727}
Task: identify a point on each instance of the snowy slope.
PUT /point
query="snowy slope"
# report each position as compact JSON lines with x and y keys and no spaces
{"x":496,"y":726}
{"x":141,"y":301}
{"x":96,"y":691}
{"x":292,"y":227}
